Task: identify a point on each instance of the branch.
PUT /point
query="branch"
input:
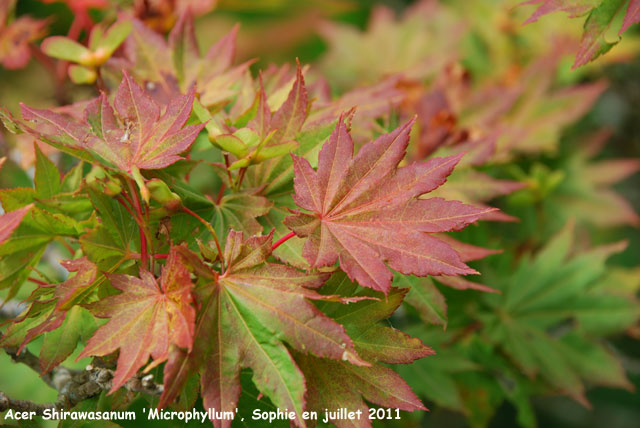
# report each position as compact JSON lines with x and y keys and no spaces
{"x":74,"y":386}
{"x":7,"y":403}
{"x":11,"y":309}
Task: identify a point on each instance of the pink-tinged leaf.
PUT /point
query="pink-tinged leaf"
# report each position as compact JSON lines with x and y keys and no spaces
{"x":632,"y":16}
{"x":365,"y":211}
{"x":460,"y":283}
{"x":86,"y":273}
{"x":466,"y":251}
{"x":11,"y":220}
{"x":137,"y":135}
{"x":261,"y":123}
{"x":146,"y":318}
{"x":473,"y":186}
{"x":183,"y":43}
{"x":149,"y":140}
{"x":611,"y":171}
{"x":246,"y":317}
{"x":15,"y":39}
{"x":221,"y":55}
{"x":59,"y":130}
{"x":336,"y":384}
{"x":371,"y":103}
{"x":594,"y":42}
{"x":292,"y":113}
{"x":574,"y":8}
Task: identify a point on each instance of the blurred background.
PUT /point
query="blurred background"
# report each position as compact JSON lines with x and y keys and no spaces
{"x":467,"y":67}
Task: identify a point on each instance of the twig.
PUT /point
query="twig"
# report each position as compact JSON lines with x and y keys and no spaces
{"x":74,"y":386}
{"x":11,"y":309}
{"x":7,"y":403}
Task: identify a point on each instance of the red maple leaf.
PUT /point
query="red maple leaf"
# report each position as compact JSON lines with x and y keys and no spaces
{"x":15,"y":36}
{"x":137,"y":134}
{"x":366,"y":211}
{"x":10,"y":221}
{"x":146,"y":318}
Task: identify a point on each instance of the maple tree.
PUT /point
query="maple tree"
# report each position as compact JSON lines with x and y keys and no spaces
{"x":201,"y":232}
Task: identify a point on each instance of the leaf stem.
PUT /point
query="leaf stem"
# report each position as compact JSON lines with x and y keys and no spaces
{"x":282,"y":240}
{"x":144,"y":255}
{"x":210,"y":229}
{"x":136,"y":256}
{"x":66,"y":245}
{"x":223,"y":187}
{"x":37,"y":281}
{"x":241,"y":175}
{"x":227,"y":164}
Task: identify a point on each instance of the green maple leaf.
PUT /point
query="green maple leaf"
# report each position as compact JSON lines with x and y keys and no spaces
{"x":35,"y":218}
{"x":545,"y":295}
{"x":247,"y":315}
{"x":333,"y":385}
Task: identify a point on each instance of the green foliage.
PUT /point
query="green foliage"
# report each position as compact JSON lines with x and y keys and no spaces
{"x":209,"y":236}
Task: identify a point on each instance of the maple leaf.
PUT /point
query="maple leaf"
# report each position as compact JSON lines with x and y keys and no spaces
{"x":146,"y":318}
{"x":166,"y":69}
{"x":334,"y":384}
{"x":15,"y":36}
{"x":540,"y":297}
{"x":601,"y":16}
{"x":246,"y":317}
{"x":65,"y":295}
{"x":54,"y":312}
{"x":10,"y":221}
{"x":582,"y":188}
{"x":365,"y":211}
{"x":136,"y":135}
{"x":437,"y":377}
{"x":48,"y":217}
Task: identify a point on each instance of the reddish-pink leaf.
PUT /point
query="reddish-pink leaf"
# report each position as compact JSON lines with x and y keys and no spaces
{"x":138,"y":134}
{"x":632,"y":16}
{"x":365,"y":211}
{"x":573,"y":7}
{"x":292,"y":113}
{"x":15,"y":39}
{"x":146,"y":318}
{"x":11,"y":220}
{"x":467,"y":252}
{"x":460,"y":283}
{"x":148,"y":139}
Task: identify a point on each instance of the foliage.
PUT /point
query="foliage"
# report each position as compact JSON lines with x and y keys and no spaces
{"x":601,"y":16}
{"x":299,"y":237}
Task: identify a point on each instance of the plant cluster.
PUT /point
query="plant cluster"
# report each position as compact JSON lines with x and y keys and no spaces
{"x":238,"y":239}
